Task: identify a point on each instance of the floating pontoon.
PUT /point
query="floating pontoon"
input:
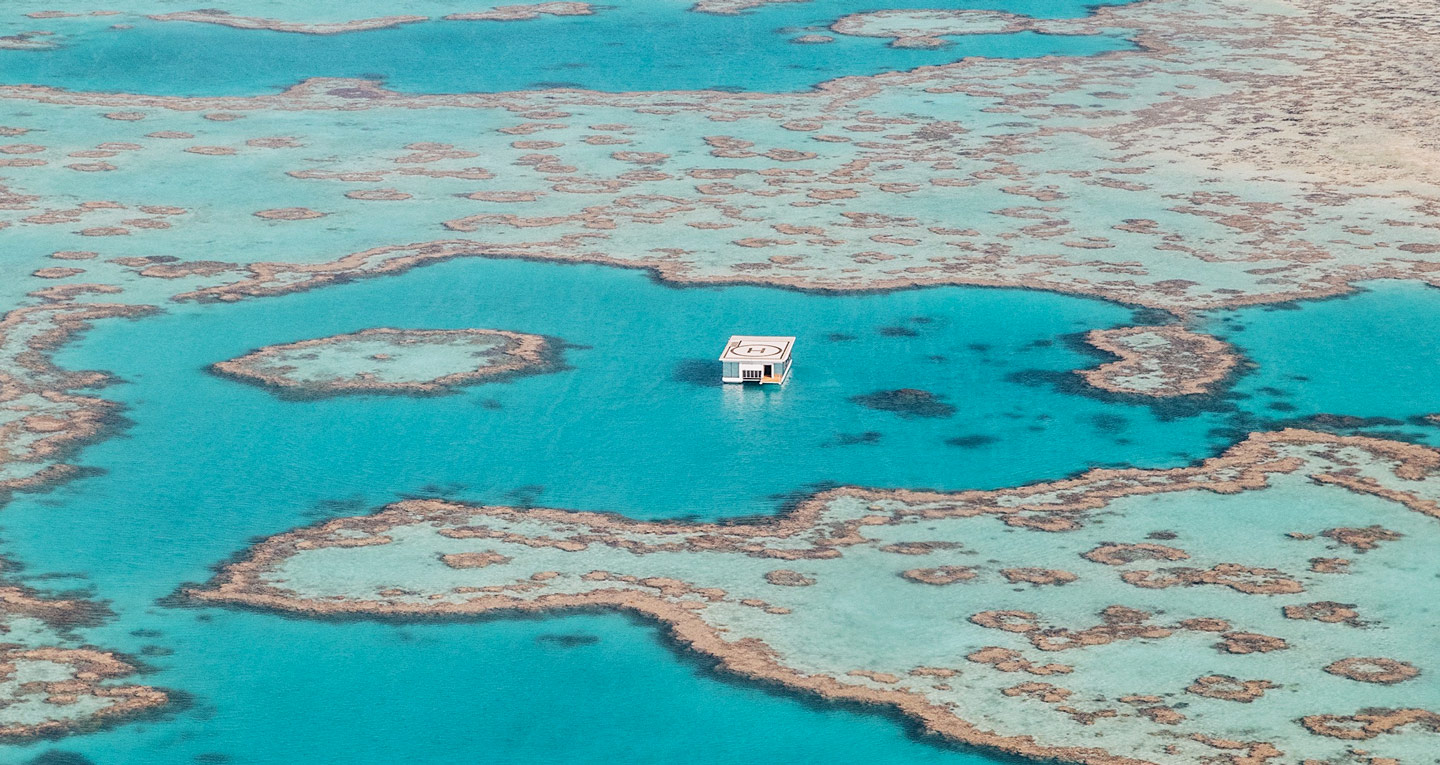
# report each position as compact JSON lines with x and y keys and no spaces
{"x":757,"y":359}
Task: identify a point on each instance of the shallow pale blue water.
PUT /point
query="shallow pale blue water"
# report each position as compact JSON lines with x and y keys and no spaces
{"x":633,"y":426}
{"x":628,"y":47}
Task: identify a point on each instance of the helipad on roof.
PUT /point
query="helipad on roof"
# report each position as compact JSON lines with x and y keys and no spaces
{"x":757,"y":349}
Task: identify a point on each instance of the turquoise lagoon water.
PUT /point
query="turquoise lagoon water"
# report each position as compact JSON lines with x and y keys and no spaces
{"x":627,"y":47}
{"x":1358,"y":355}
{"x":636,"y":424}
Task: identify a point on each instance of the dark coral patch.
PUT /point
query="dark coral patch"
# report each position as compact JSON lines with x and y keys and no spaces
{"x":906,"y":402}
{"x":972,"y":441}
{"x":898,"y":332}
{"x":700,"y":372}
{"x":567,"y":640}
{"x":856,"y":439}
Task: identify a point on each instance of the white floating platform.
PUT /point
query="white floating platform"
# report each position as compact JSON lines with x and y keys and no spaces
{"x":756,"y":358}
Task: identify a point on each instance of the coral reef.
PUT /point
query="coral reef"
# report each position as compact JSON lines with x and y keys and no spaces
{"x":388,"y":360}
{"x":526,"y":12}
{"x":850,"y":623}
{"x":1158,"y":361}
{"x":224,"y":18}
{"x":928,"y":28}
{"x":50,"y":683}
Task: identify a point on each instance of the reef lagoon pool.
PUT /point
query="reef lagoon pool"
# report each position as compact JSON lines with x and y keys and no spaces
{"x":627,"y":47}
{"x":635,"y":423}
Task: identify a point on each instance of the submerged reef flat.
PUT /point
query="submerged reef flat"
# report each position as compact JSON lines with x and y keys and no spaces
{"x":225,"y":18}
{"x":27,"y":41}
{"x":497,"y":13}
{"x":52,"y":684}
{"x":734,"y":7}
{"x":1190,"y":615}
{"x":385,"y":360}
{"x":42,"y":417}
{"x":1176,"y":176}
{"x":526,"y":12}
{"x":1158,"y":361}
{"x":928,"y":28}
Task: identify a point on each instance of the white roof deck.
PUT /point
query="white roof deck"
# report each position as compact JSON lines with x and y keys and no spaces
{"x":758,"y":349}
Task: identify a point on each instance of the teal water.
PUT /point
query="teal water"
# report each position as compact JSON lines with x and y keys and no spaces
{"x":639,"y":424}
{"x":270,"y":690}
{"x":633,"y":426}
{"x":677,"y":50}
{"x":1357,"y":356}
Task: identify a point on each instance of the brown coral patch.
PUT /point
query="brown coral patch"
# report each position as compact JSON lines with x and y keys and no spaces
{"x":1046,"y":692}
{"x":1369,"y":723}
{"x":1009,"y":621}
{"x":1324,"y":611}
{"x":56,"y":273}
{"x":1330,"y":565}
{"x":1117,"y":623}
{"x":1377,"y":670}
{"x":273,"y":142}
{"x":1006,"y":660}
{"x":1119,"y":553}
{"x":940,"y":575}
{"x":225,"y":18}
{"x":917,"y":548}
{"x":1205,"y":624}
{"x":1362,"y":539}
{"x":1246,"y":579}
{"x":504,"y":196}
{"x":90,"y":667}
{"x":1250,"y":642}
{"x":289,"y":213}
{"x":1037,"y":576}
{"x":1186,"y":363}
{"x":527,"y":12}
{"x":787,"y":578}
{"x":1227,"y":688}
{"x":378,"y":195}
{"x":187,"y":268}
{"x":873,"y":676}
{"x":474,"y":559}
